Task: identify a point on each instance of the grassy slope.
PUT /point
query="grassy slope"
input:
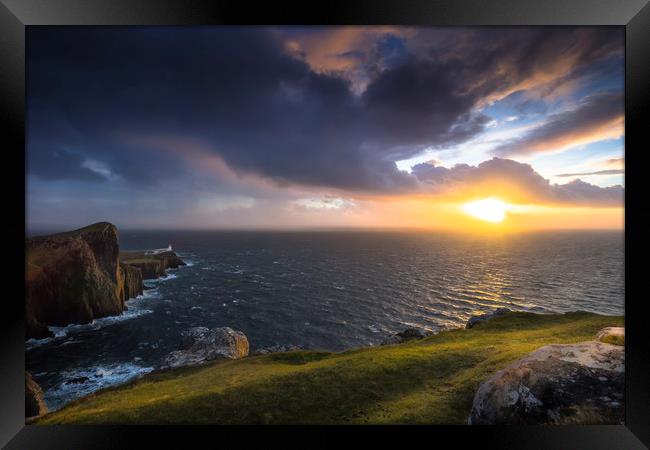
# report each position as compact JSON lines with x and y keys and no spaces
{"x":137,"y":257}
{"x":38,"y":257}
{"x":427,"y":381}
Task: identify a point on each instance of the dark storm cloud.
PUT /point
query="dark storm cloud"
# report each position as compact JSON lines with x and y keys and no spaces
{"x":264,"y":110}
{"x":509,"y":59}
{"x":61,"y":164}
{"x":511,"y":177}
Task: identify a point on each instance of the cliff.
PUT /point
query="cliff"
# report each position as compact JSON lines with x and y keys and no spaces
{"x":77,"y":276}
{"x":132,"y":286}
{"x":151,"y":266}
{"x":34,"y":403}
{"x":73,"y":277}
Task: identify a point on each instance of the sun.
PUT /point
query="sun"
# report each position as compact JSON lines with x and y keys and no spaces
{"x":489,"y":209}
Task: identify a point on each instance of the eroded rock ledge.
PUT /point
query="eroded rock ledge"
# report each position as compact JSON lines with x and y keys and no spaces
{"x":151,"y":266}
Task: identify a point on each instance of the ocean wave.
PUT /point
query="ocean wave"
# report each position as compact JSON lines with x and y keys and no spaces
{"x":96,"y":324}
{"x":79,"y":382}
{"x":33,"y":343}
{"x":132,"y":312}
{"x":146,"y":294}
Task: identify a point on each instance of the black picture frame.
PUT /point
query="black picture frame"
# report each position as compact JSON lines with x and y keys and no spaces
{"x":634,"y":15}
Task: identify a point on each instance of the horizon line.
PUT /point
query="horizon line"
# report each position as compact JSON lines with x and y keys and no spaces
{"x":317,"y":228}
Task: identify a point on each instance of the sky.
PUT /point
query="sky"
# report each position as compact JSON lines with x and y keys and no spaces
{"x":303,"y":127}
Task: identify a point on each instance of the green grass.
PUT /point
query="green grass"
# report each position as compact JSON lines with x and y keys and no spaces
{"x":93,"y":228}
{"x":139,"y":261}
{"x":428,"y":381}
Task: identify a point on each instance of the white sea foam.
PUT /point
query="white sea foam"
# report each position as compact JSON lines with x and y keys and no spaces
{"x":170,"y":276}
{"x":90,"y":379}
{"x":33,"y":343}
{"x":133,"y":311}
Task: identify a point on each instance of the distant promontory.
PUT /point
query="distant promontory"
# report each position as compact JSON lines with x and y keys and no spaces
{"x":81,"y":275}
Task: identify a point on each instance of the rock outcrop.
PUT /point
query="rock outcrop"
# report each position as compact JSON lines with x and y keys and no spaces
{"x":406,"y":335}
{"x":556,"y":384}
{"x":73,"y":277}
{"x":77,"y":276}
{"x":34,"y":403}
{"x":152,"y":266}
{"x":276,"y":349}
{"x":200,"y":345}
{"x":475,"y":320}
{"x":133,"y":285}
{"x":612,"y":335}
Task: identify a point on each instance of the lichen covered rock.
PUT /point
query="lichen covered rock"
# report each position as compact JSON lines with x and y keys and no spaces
{"x":612,"y":335}
{"x":556,"y":384}
{"x":200,"y":345}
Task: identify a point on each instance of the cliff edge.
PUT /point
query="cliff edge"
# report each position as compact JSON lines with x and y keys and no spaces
{"x":77,"y":276}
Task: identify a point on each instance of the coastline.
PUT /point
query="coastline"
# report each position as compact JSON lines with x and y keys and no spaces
{"x":86,"y":381}
{"x":443,"y":370}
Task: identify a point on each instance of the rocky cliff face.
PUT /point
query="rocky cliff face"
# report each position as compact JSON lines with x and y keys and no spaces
{"x":34,"y":403}
{"x":133,"y":285}
{"x":152,"y":266}
{"x":76,"y":276}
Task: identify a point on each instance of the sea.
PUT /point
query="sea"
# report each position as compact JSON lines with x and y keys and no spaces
{"x":330,"y":290}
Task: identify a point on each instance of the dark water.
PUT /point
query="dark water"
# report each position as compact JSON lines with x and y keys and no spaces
{"x":328,"y":290}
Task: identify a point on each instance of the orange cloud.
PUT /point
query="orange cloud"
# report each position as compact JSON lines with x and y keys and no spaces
{"x":322,"y":48}
{"x":614,"y":163}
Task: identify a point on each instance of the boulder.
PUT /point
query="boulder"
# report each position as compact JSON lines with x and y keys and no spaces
{"x":34,"y":403}
{"x":200,"y":345}
{"x":556,"y":384}
{"x":612,"y":335}
{"x":475,"y":320}
{"x":406,"y":335}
